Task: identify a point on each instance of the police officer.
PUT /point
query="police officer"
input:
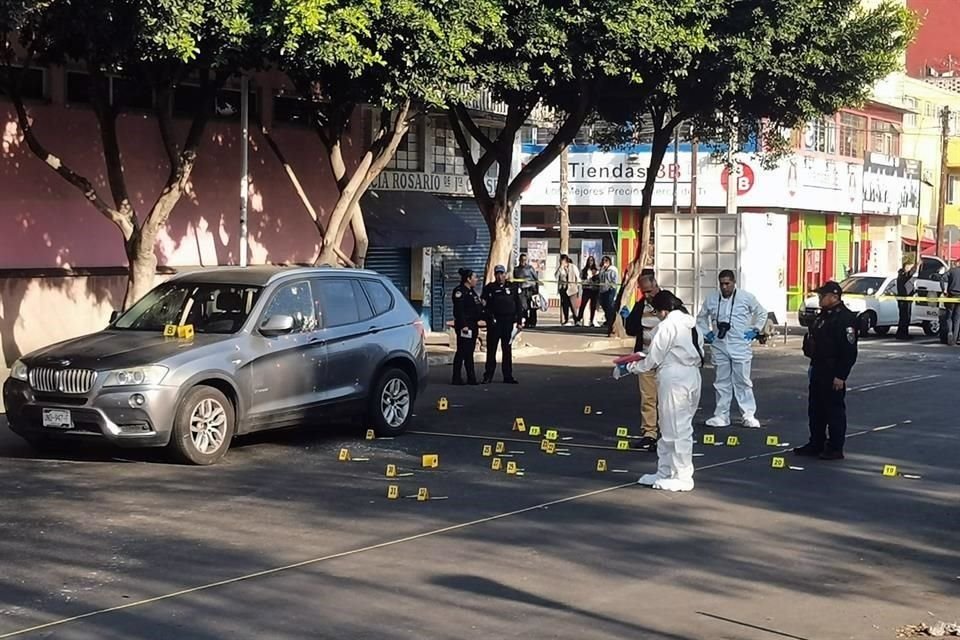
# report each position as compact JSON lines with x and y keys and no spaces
{"x":831,"y":345}
{"x":467,"y":310}
{"x":504,"y":312}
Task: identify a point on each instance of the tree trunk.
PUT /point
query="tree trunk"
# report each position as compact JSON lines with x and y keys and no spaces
{"x":361,"y":241}
{"x":564,"y":208}
{"x":142,"y":268}
{"x":500,"y":223}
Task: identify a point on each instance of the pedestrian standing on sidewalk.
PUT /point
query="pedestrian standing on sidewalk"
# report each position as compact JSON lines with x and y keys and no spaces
{"x":831,"y":345}
{"x":905,"y":288}
{"x":525,"y":276}
{"x":467,"y":310}
{"x":608,"y":292}
{"x":951,"y":287}
{"x":676,"y":354}
{"x":642,"y":323}
{"x":503,"y":310}
{"x":568,"y":285}
{"x":729,"y":321}
{"x":590,"y":277}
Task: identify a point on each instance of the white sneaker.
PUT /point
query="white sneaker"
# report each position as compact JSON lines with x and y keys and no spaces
{"x":674,"y":484}
{"x":650,"y":479}
{"x":750,"y":422}
{"x":718,"y":421}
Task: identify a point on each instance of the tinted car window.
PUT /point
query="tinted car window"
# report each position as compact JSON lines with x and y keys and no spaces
{"x":338,"y":301}
{"x":929,"y":269}
{"x":363,"y":305}
{"x":379,"y":295}
{"x":208,"y":308}
{"x":296,"y":301}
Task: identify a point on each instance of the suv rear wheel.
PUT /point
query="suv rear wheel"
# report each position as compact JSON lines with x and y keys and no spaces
{"x":391,"y":404}
{"x":865,"y":322}
{"x":203,"y":427}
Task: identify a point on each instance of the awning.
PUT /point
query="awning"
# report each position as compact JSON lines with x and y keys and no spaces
{"x":412,"y":219}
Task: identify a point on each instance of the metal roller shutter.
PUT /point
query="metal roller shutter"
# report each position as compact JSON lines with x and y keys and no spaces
{"x":449,"y":260}
{"x":392,"y":262}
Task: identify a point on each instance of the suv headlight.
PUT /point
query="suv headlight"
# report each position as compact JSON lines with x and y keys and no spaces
{"x":135,"y":376}
{"x":19,"y":371}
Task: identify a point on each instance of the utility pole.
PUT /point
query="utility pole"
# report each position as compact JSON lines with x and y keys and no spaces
{"x":942,"y":203}
{"x":693,"y":173}
{"x":732,"y":169}
{"x":676,"y":165}
{"x":564,"y":208}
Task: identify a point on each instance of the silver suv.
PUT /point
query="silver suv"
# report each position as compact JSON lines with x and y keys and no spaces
{"x":209,"y":355}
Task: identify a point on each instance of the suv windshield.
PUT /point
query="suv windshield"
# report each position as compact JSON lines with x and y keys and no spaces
{"x":210,"y":308}
{"x":861,"y":285}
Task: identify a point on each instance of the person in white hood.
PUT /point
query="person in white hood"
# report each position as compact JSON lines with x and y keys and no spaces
{"x":676,"y":354}
{"x":729,"y":321}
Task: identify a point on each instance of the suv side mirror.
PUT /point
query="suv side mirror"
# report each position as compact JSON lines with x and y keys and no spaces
{"x":113,"y":316}
{"x":278,"y":325}
{"x":871,"y":291}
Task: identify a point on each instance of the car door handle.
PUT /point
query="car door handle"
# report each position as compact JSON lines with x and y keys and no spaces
{"x":320,"y":341}
{"x":373,"y":330}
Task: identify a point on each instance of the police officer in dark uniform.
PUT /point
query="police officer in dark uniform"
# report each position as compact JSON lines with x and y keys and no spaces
{"x":831,"y":345}
{"x":467,"y":310}
{"x":504,"y":312}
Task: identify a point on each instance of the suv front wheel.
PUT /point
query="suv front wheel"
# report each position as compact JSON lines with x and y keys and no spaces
{"x":203,"y":427}
{"x":391,"y":404}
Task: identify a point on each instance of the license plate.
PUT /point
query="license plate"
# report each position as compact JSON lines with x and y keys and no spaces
{"x":57,"y":419}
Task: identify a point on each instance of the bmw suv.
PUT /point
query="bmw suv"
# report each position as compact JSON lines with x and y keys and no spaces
{"x":209,"y":355}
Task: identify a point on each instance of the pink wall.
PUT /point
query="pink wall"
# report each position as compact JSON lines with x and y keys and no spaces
{"x":936,"y":43}
{"x":47,"y":223}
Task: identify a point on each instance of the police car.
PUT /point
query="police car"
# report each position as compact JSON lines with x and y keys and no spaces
{"x":870,"y":296}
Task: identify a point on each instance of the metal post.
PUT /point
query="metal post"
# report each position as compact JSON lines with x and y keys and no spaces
{"x":944,"y":177}
{"x":676,"y":165}
{"x":732,"y":170}
{"x":244,"y":164}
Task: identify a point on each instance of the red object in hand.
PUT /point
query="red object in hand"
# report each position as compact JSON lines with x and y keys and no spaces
{"x":633,"y":357}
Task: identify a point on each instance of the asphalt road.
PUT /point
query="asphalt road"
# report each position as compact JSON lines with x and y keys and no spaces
{"x":283,"y":541}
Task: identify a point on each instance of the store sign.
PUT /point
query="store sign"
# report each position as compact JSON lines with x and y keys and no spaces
{"x":891,"y":185}
{"x":438,"y":183}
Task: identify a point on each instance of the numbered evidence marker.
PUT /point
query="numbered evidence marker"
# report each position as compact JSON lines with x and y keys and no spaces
{"x":442,"y":404}
{"x":587,"y":410}
{"x":185,"y":332}
{"x":391,"y":471}
{"x":496,"y":464}
{"x":501,"y":447}
{"x":371,"y":434}
{"x":890,"y":470}
{"x":170,"y":331}
{"x":511,"y":468}
{"x":487,"y":451}
{"x":623,"y":445}
{"x":773,"y":441}
{"x":601,"y":465}
{"x":344,"y":455}
{"x":551,"y":447}
{"x":534,"y":431}
{"x":733,"y":441}
{"x":552,"y":434}
{"x":393,"y":492}
{"x":778,"y":463}
{"x":422,"y":494}
{"x":519,"y":425}
{"x":622,"y":432}
{"x":544,"y":444}
{"x":430,"y":461}
{"x":709,"y":438}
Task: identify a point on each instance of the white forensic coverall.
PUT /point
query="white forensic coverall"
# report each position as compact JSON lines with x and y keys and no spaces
{"x":677,"y":362}
{"x":732,"y":356}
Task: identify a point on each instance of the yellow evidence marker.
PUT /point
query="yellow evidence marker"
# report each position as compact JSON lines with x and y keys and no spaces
{"x":519,"y":425}
{"x":601,"y":465}
{"x":623,"y":445}
{"x":496,"y":464}
{"x":393,"y":492}
{"x":344,"y":455}
{"x":551,"y":447}
{"x":185,"y":332}
{"x":778,"y":463}
{"x":890,"y":470}
{"x":552,"y":434}
{"x":622,"y":432}
{"x":487,"y":451}
{"x":709,"y":438}
{"x":733,"y":441}
{"x":587,"y":410}
{"x":170,"y":331}
{"x":442,"y":404}
{"x":534,"y":431}
{"x":544,"y":444}
{"x":391,"y":471}
{"x":430,"y":461}
{"x":371,"y":434}
{"x":423,"y":495}
{"x":501,"y":447}
{"x":773,"y":441}
{"x":511,"y":468}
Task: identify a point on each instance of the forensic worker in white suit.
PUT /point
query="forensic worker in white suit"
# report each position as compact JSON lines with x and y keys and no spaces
{"x":676,"y":354}
{"x":729,"y":321}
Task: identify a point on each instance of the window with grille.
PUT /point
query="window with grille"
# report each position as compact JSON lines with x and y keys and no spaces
{"x":884,"y":138}
{"x":33,"y":83}
{"x":447,"y":158}
{"x":821,"y":135}
{"x":953,"y":189}
{"x":407,"y":157}
{"x":853,"y":135}
{"x":910,"y":119}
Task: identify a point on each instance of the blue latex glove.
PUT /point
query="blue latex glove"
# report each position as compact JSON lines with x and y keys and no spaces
{"x":751,"y":334}
{"x":624,"y":313}
{"x":710,"y":337}
{"x":620,"y":371}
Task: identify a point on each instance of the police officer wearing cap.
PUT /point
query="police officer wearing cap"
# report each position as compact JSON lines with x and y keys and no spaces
{"x":467,"y":310}
{"x":831,"y":345}
{"x":504,"y":312}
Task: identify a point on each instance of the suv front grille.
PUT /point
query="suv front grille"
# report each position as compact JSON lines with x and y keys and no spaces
{"x":73,"y":381}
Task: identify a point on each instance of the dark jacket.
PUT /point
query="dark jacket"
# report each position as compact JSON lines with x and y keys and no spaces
{"x":633,"y":325}
{"x":831,"y":343}
{"x":503,"y":302}
{"x":467,"y":309}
